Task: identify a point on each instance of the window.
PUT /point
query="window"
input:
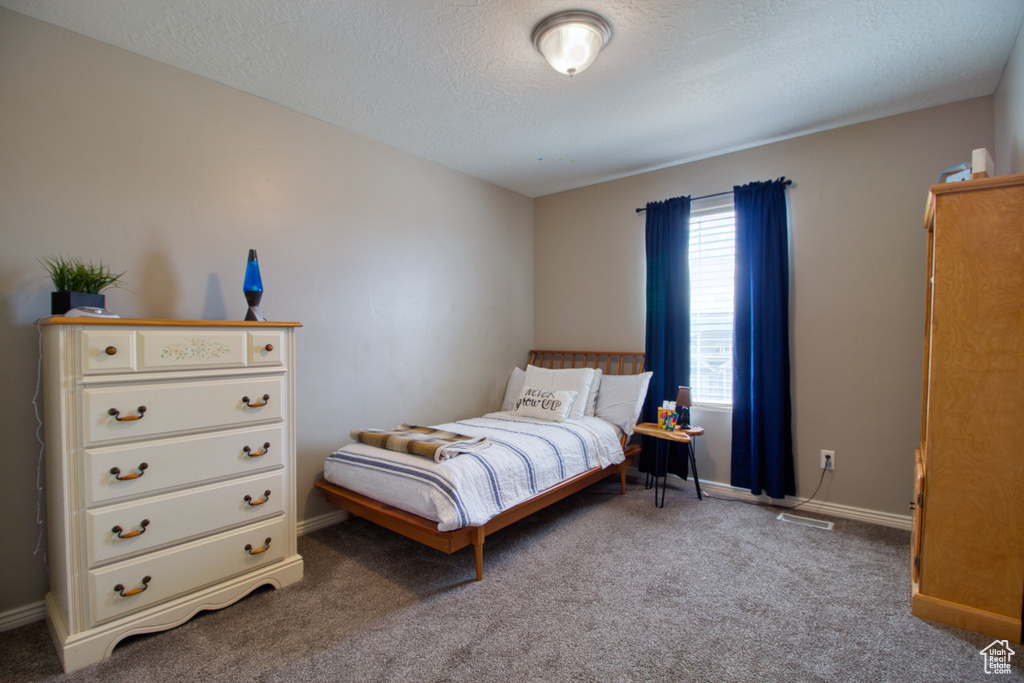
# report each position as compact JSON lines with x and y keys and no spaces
{"x":712,"y":263}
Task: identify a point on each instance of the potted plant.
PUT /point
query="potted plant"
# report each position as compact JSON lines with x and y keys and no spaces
{"x":78,"y":283}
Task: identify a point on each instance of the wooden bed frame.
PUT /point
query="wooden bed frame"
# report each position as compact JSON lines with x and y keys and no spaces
{"x":425,"y":531}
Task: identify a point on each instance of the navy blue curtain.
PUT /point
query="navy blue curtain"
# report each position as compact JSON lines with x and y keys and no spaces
{"x":668,"y":314}
{"x":762,"y":437}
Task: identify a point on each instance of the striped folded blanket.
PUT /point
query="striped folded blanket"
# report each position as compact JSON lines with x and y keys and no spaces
{"x":426,"y":441}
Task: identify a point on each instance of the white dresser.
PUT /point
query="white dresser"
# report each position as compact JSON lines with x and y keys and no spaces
{"x":170,"y":473}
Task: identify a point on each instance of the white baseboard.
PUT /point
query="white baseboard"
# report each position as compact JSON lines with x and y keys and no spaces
{"x":22,"y":616}
{"x":822,"y":507}
{"x":309,"y":525}
{"x":714,"y":488}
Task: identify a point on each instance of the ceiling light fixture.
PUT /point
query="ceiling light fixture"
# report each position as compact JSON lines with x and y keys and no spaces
{"x":571,"y":40}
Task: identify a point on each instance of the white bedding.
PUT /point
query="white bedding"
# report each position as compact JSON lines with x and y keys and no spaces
{"x":526,"y":456}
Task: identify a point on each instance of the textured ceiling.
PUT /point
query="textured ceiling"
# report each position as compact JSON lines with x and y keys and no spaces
{"x":460,"y":83}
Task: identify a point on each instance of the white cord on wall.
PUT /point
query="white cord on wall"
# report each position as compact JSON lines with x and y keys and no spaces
{"x":42,"y":450}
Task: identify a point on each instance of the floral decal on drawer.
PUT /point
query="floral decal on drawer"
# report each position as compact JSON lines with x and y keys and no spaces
{"x":195,"y":348}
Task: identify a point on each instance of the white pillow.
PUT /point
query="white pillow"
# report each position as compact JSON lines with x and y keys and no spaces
{"x":578,"y":380}
{"x":515,"y":387}
{"x":592,"y":399}
{"x":544,"y":404}
{"x":622,"y":398}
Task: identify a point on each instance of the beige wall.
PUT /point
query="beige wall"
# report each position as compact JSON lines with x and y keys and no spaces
{"x":107,"y":155}
{"x":857,"y":308}
{"x":414,"y":283}
{"x":1009,"y":114}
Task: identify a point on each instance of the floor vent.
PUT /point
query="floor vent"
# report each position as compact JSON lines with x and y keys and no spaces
{"x":806,"y":521}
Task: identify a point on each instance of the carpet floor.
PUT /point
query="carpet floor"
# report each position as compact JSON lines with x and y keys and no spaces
{"x":599,"y":587}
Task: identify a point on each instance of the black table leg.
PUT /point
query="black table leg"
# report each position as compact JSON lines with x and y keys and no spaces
{"x":693,"y":466}
{"x":660,"y":468}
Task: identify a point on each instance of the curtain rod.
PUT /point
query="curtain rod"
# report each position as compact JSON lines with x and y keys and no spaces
{"x":787,"y":182}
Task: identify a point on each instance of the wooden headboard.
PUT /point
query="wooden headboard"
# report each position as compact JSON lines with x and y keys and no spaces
{"x":609,"y":362}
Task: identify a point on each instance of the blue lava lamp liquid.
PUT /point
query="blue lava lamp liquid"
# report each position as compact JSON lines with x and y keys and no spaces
{"x":253,"y":287}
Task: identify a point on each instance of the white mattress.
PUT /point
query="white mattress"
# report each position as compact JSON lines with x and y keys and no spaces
{"x":525,"y":458}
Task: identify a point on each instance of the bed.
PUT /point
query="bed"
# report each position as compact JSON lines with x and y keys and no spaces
{"x":530,"y":462}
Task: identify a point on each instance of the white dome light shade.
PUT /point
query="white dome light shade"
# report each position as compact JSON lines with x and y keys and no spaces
{"x":570,"y":41}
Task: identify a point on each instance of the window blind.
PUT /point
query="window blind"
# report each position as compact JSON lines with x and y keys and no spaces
{"x":712,"y":264}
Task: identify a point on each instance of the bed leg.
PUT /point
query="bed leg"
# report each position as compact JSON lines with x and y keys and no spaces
{"x":478,"y":552}
{"x":622,"y":479}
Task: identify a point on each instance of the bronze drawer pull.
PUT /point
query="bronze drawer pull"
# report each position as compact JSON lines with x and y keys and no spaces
{"x":258,"y":551}
{"x":141,"y":469}
{"x":131,"y":534}
{"x":110,"y":350}
{"x":269,"y":347}
{"x":266,"y":399}
{"x":253,"y":503}
{"x":117,"y":414}
{"x":119,"y":588}
{"x":250,"y":454}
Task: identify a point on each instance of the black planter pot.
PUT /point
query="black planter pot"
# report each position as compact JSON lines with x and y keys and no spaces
{"x":62,"y":302}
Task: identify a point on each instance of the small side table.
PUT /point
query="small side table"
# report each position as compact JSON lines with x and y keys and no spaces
{"x":680,"y":436}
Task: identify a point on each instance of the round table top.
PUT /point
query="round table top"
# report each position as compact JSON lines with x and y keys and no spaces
{"x":678,"y":434}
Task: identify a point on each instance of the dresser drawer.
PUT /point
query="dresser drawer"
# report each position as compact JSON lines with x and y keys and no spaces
{"x":114,"y":531}
{"x":266,"y":348}
{"x":153,"y":409}
{"x":180,"y":570}
{"x":107,"y":351}
{"x":190,"y":349}
{"x":131,"y":471}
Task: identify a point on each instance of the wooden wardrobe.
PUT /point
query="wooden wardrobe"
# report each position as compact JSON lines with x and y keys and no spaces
{"x":968,"y":527}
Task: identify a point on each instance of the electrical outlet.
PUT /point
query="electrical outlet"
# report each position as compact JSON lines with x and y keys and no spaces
{"x":828,"y":459}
